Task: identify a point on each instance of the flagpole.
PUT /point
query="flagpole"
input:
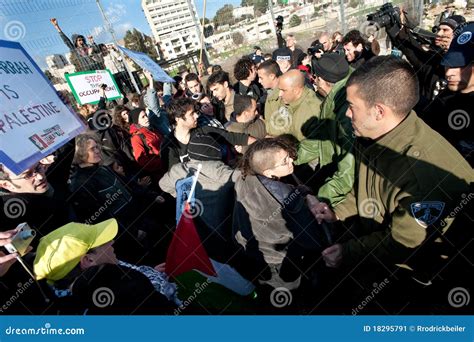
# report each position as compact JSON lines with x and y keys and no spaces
{"x":193,"y":187}
{"x":202,"y":32}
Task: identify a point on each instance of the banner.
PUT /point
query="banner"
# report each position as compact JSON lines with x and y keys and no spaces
{"x":85,"y":86}
{"x":34,"y":122}
{"x":147,"y":63}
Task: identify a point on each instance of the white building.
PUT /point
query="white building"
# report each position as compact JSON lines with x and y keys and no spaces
{"x":174,"y":24}
{"x":56,"y":61}
{"x":241,"y":11}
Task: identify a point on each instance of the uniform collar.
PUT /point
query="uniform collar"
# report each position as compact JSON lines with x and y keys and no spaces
{"x":393,"y":139}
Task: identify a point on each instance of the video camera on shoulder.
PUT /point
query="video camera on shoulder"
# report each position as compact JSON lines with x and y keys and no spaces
{"x":315,"y":47}
{"x":21,"y":240}
{"x":389,"y":17}
{"x":279,"y":23}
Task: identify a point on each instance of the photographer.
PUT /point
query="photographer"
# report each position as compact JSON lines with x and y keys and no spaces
{"x":321,"y":46}
{"x":425,"y":60}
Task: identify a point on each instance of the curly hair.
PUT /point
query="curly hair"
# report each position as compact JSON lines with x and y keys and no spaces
{"x":260,"y":156}
{"x":243,"y":68}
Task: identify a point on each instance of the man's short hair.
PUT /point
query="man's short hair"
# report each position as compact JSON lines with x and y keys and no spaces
{"x":243,"y":68}
{"x":354,"y":37}
{"x":191,"y":77}
{"x":218,"y":77}
{"x":216,"y":68}
{"x":178,"y":107}
{"x":242,"y":103}
{"x":387,"y":80}
{"x":271,"y":67}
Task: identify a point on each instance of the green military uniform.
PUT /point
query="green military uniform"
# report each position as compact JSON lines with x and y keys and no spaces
{"x":254,"y":128}
{"x":407,"y":180}
{"x":290,"y":119}
{"x":330,"y":141}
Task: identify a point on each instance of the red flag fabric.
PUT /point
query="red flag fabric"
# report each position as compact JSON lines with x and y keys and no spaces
{"x":186,"y":251}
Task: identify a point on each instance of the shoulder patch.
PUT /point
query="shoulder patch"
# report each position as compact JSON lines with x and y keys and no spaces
{"x":426,"y":213}
{"x":464,"y":38}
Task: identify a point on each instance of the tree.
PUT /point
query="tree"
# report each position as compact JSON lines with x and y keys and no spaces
{"x":295,"y":20}
{"x":224,"y":16}
{"x":260,"y":6}
{"x":208,"y":31}
{"x":237,"y":38}
{"x":137,"y":41}
{"x":354,"y":3}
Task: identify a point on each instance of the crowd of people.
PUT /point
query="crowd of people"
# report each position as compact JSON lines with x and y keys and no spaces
{"x":321,"y":175}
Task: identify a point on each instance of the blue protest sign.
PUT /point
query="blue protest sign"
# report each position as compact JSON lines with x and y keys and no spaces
{"x":34,"y":122}
{"x":147,"y":63}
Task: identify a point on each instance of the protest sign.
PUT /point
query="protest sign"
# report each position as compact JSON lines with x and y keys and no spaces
{"x":34,"y":122}
{"x":147,"y":63}
{"x":85,"y":86}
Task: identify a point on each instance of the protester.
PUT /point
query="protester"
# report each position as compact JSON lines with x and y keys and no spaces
{"x":219,"y":86}
{"x":357,"y":49}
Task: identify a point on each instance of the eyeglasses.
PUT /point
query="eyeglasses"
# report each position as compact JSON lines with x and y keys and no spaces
{"x":39,"y":168}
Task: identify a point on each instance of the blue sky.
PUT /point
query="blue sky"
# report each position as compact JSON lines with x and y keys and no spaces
{"x":27,"y":21}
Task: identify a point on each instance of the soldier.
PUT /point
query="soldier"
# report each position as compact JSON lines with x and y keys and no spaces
{"x":403,"y":187}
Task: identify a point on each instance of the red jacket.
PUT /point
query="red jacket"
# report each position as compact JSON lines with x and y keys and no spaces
{"x":146,"y":148}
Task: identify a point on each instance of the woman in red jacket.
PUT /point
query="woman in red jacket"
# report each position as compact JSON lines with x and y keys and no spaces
{"x":146,"y":144}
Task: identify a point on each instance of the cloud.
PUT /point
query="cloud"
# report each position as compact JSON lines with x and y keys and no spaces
{"x":122,"y":28}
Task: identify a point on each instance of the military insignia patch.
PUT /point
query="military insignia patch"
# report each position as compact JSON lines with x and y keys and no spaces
{"x":426,"y":213}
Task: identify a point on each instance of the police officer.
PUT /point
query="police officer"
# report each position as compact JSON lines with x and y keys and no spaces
{"x":408,"y":179}
{"x":451,"y":114}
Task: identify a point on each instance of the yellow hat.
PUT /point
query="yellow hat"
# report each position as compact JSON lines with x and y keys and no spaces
{"x":62,"y":249}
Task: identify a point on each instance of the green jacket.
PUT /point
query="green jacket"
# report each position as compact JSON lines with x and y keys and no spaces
{"x":293,"y":118}
{"x":330,"y":141}
{"x":408,"y":180}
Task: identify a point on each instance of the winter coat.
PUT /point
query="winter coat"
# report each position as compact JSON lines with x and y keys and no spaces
{"x":146,"y":145}
{"x":276,"y":229}
{"x":330,"y":143}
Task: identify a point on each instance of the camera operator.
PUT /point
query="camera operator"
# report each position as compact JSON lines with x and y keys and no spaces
{"x":451,"y":111}
{"x":321,"y":46}
{"x":425,"y":61}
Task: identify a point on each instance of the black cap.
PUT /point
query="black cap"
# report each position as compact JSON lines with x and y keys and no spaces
{"x":134,"y":114}
{"x":331,"y":67}
{"x":461,"y":50}
{"x":281,"y":54}
{"x":453,"y":21}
